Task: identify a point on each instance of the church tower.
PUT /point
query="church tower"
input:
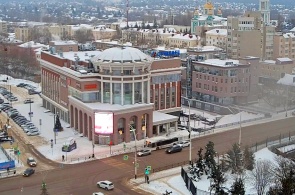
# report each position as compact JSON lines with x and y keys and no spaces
{"x":208,"y":8}
{"x":265,"y":11}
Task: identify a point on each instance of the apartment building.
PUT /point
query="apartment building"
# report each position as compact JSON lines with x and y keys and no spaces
{"x":272,"y":70}
{"x":284,"y":45}
{"x":23,"y":33}
{"x":62,"y":31}
{"x":248,"y":36}
{"x":183,"y":40}
{"x":216,"y":37}
{"x":102,"y":32}
{"x":3,"y":26}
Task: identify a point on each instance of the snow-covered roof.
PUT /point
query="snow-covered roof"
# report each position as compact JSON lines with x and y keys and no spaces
{"x":114,"y":43}
{"x":161,"y":118}
{"x":64,"y":42}
{"x":184,"y":37}
{"x":222,"y":63}
{"x":32,"y":44}
{"x":287,"y":35}
{"x":288,"y":79}
{"x":206,"y":48}
{"x":284,"y":60}
{"x":103,"y":29}
{"x":81,"y":55}
{"x":121,"y":55}
{"x":79,"y":26}
{"x":217,"y":31}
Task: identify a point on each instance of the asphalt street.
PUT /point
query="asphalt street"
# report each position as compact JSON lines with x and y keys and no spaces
{"x":81,"y":178}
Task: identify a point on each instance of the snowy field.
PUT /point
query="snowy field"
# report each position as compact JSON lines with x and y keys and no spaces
{"x":176,"y":185}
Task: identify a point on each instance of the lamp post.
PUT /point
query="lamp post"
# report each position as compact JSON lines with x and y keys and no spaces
{"x":189,"y":130}
{"x":240,"y":134}
{"x":145,"y":129}
{"x":287,"y":101}
{"x":54,"y":130}
{"x":135,"y":153}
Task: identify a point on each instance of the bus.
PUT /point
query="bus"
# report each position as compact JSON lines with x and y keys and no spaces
{"x":161,"y":143}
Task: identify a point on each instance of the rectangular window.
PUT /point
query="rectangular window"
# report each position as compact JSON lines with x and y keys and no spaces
{"x":225,"y":80}
{"x":152,"y":96}
{"x":162,"y":98}
{"x":173,"y":99}
{"x":167,"y":97}
{"x":156,"y":99}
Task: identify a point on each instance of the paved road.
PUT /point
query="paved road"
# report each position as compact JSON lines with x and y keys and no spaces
{"x":82,"y":178}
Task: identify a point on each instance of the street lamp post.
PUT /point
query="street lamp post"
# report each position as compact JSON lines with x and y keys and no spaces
{"x":240,"y":134}
{"x":189,"y":129}
{"x":135,"y":153}
{"x":54,"y":130}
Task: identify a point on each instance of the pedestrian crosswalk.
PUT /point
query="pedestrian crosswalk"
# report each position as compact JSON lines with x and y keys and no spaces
{"x":120,"y":164}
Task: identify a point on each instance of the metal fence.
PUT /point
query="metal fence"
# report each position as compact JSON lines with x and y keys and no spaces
{"x":190,"y":184}
{"x":274,"y":140}
{"x":6,"y":154}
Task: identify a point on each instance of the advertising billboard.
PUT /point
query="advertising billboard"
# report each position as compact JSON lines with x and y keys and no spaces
{"x":103,"y":123}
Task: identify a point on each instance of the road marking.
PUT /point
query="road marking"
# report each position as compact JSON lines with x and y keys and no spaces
{"x":116,"y":163}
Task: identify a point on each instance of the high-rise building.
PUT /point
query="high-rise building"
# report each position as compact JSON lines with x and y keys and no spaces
{"x":265,"y":11}
{"x":248,"y":36}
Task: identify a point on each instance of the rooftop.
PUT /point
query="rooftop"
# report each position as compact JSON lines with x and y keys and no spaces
{"x":121,"y":55}
{"x":217,"y":31}
{"x":64,"y":42}
{"x":288,"y":79}
{"x":32,"y":44}
{"x":221,"y":63}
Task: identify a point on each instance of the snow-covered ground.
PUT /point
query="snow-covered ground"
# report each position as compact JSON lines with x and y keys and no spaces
{"x":288,"y":148}
{"x":174,"y":183}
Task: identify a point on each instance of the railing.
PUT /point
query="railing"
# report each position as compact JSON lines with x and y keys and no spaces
{"x":6,"y":154}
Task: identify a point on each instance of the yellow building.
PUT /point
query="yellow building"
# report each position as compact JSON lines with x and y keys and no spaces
{"x":284,"y":45}
{"x":216,"y":37}
{"x":3,"y":26}
{"x":62,"y":31}
{"x":22,"y":33}
{"x":102,"y":32}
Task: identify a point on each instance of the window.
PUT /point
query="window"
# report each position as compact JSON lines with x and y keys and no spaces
{"x":225,"y":80}
{"x":173,"y":100}
{"x":212,"y":78}
{"x":156,"y":99}
{"x":152,"y":95}
{"x":168,"y":98}
{"x":162,"y":98}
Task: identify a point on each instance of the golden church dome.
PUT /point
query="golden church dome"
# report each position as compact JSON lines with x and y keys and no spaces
{"x":208,"y":5}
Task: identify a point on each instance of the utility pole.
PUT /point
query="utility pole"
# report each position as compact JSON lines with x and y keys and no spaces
{"x":135,"y":153}
{"x":190,"y":131}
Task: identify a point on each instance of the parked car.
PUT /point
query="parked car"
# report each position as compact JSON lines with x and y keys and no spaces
{"x":28,"y":172}
{"x":6,"y":139}
{"x":32,"y":92}
{"x":28,"y":101}
{"x":21,"y":85}
{"x":144,"y":152}
{"x":107,"y":185}
{"x":173,"y":149}
{"x":31,"y":162}
{"x":97,"y":193}
{"x":32,"y":133}
{"x":183,"y":144}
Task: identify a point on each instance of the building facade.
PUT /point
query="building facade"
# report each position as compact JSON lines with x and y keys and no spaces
{"x":284,"y":45}
{"x":3,"y":26}
{"x":141,"y":93}
{"x":216,"y":37}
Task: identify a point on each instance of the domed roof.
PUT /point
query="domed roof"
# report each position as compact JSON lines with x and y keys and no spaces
{"x":121,"y":55}
{"x":208,"y":5}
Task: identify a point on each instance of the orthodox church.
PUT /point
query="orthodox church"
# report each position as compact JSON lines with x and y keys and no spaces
{"x":206,"y":17}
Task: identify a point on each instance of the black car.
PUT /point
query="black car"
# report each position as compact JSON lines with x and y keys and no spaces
{"x":173,"y":149}
{"x":21,"y":85}
{"x":28,"y":172}
{"x":32,"y":92}
{"x":6,"y":139}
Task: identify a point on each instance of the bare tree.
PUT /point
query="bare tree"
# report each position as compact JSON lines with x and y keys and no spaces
{"x":83,"y":35}
{"x":284,"y":175}
{"x":262,"y":176}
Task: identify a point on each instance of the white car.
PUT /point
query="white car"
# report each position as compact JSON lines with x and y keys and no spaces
{"x":107,"y":185}
{"x":183,"y":143}
{"x":32,"y":133}
{"x":97,"y":193}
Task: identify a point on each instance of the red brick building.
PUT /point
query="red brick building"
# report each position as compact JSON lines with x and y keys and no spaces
{"x":140,"y":92}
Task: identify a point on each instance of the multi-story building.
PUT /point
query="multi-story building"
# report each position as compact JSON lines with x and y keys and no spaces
{"x":264,"y":8}
{"x":178,"y":28}
{"x":215,"y":84}
{"x":62,"y":31}
{"x":183,"y":40}
{"x":23,"y":33}
{"x":216,"y":37}
{"x":64,"y":46}
{"x":105,"y":94}
{"x":284,"y":45}
{"x":3,"y":26}
{"x":101,"y":32}
{"x":272,"y":70}
{"x":248,"y":36}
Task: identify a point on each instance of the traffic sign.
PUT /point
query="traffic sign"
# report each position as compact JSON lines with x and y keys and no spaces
{"x":149,"y":168}
{"x":125,"y":157}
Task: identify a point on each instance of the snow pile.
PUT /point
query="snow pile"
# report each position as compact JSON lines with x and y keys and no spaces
{"x":232,"y":118}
